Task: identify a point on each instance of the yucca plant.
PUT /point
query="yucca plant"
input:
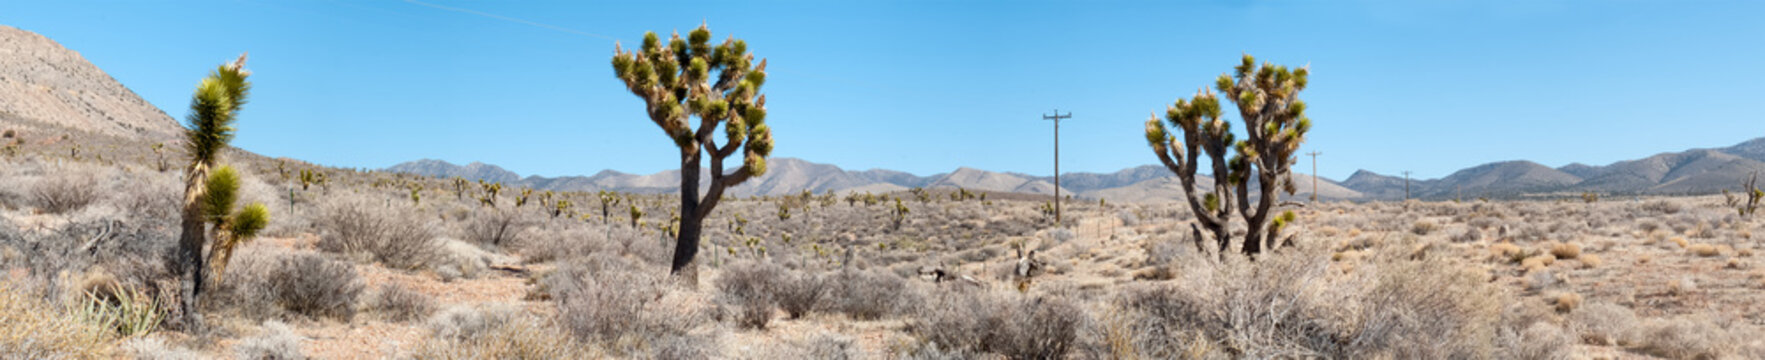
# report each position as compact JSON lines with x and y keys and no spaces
{"x":210,"y":190}
{"x":720,"y":85}
{"x":130,"y":314}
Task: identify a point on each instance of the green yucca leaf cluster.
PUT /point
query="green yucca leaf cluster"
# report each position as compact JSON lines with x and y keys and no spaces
{"x":214,"y":108}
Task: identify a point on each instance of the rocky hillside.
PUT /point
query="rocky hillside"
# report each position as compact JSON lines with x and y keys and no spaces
{"x":41,"y":81}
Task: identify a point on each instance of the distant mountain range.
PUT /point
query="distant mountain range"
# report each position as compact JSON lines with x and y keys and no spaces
{"x":1690,"y":172}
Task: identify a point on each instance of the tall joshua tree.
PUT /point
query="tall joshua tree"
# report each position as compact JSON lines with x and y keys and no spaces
{"x":720,"y":85}
{"x":209,"y":189}
{"x":1268,"y":102}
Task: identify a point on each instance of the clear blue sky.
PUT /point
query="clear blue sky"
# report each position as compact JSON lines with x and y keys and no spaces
{"x":927,"y":86}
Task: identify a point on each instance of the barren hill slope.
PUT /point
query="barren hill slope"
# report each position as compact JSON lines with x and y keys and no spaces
{"x":44,"y":82}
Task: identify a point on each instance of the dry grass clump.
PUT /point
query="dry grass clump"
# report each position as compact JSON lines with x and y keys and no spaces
{"x":1537,"y":262}
{"x":1565,"y":251}
{"x":1508,"y":251}
{"x":1680,"y":241}
{"x":32,"y":329}
{"x":399,"y":303}
{"x":1589,"y":261}
{"x":751,"y":288}
{"x":1009,"y":324}
{"x":1704,"y":250}
{"x":1566,"y":301}
{"x":312,"y":285}
{"x":275,"y":342}
{"x":398,"y":238}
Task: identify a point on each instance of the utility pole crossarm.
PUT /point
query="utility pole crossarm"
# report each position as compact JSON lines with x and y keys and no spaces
{"x":1057,"y":117}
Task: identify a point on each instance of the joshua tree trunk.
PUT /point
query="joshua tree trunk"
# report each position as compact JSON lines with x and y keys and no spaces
{"x":190,"y":260}
{"x":686,"y":243}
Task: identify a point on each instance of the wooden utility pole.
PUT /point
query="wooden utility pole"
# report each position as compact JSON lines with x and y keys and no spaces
{"x":1406,"y":185}
{"x":1314,"y":175}
{"x":1056,"y":117}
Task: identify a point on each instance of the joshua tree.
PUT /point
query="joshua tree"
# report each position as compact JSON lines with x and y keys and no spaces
{"x":1752,"y":194}
{"x":1275,"y":124}
{"x":459,"y":188}
{"x":560,"y":207}
{"x":720,"y":85}
{"x":209,"y":191}
{"x":898,"y":213}
{"x":490,"y":191}
{"x":159,"y":153}
{"x":608,"y":201}
{"x":636,"y":216}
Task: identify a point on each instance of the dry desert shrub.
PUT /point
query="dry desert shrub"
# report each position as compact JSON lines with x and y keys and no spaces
{"x":1603,"y":323}
{"x":751,"y":289}
{"x":66,"y":189}
{"x":312,"y":285}
{"x":626,"y":307}
{"x":1698,"y":337}
{"x":868,"y":295}
{"x":1424,"y":227}
{"x":497,"y":332}
{"x":33,"y":329}
{"x":800,"y":292}
{"x":153,"y":348}
{"x":830,"y":346}
{"x":495,"y":227}
{"x":1470,"y":234}
{"x":1540,"y":341}
{"x":1006,"y":323}
{"x":276,"y":342}
{"x":465,"y":322}
{"x":397,"y":237}
{"x":1381,"y":310}
{"x":400,"y":303}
